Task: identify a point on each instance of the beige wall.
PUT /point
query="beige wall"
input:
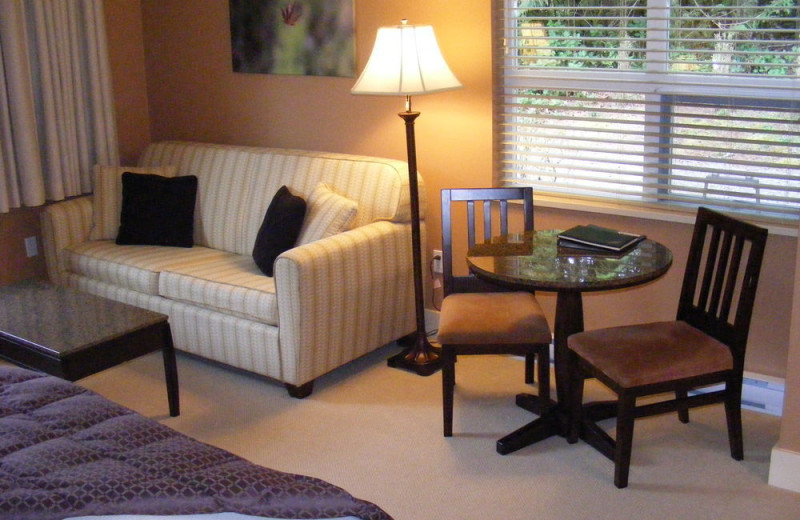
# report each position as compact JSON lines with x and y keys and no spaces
{"x":15,"y":227}
{"x":126,"y":57}
{"x":790,"y":425}
{"x":193,"y":94}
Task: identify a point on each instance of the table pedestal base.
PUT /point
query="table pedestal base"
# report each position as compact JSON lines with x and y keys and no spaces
{"x":591,"y":433}
{"x":555,"y":421}
{"x":551,"y":421}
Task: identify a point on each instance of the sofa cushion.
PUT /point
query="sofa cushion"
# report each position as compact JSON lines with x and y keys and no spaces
{"x":237,"y":183}
{"x":156,"y":210}
{"x":133,"y":267}
{"x":107,"y":198}
{"x":231,"y":284}
{"x":280,"y":229}
{"x":328,"y":214}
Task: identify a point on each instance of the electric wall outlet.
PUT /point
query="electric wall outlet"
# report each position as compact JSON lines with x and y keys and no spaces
{"x":31,"y":249}
{"x":437,"y":261}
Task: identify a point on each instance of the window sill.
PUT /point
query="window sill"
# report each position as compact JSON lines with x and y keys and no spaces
{"x":609,"y":208}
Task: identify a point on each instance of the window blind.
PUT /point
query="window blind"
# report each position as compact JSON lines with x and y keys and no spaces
{"x":653,"y":103}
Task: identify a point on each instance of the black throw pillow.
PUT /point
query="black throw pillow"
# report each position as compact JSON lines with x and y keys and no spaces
{"x":157,"y":210}
{"x":280,"y":228}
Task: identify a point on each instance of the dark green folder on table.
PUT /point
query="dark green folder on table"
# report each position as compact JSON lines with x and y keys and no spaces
{"x":591,"y":236}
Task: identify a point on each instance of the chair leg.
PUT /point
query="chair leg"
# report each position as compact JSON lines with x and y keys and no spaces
{"x":530,"y":357}
{"x":733,"y":414}
{"x":543,"y":359}
{"x":624,"y":443}
{"x":575,"y":393}
{"x":448,"y":357}
{"x":683,"y":408}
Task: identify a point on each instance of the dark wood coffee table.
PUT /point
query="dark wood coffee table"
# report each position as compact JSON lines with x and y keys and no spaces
{"x":71,"y":334}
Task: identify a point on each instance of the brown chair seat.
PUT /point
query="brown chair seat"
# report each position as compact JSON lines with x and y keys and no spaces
{"x":651,"y":353}
{"x":492,"y":318}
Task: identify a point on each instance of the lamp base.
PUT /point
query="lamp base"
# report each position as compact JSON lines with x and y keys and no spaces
{"x":420,"y":358}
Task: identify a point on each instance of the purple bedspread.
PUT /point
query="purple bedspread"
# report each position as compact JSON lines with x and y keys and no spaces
{"x":66,"y":451}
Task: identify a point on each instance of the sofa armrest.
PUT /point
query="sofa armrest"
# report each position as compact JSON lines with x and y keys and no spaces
{"x":64,"y":224}
{"x":342,"y":297}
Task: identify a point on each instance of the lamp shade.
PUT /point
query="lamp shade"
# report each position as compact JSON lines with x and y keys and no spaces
{"x":405,"y":61}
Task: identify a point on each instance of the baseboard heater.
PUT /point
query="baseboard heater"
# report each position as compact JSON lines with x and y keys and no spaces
{"x":759,"y":393}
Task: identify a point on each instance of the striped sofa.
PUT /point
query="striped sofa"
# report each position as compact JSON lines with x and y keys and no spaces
{"x":329,"y":301}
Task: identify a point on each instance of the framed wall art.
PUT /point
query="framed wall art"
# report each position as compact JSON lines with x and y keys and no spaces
{"x":301,"y":37}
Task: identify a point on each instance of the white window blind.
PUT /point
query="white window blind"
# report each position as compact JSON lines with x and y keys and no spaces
{"x":659,"y":103}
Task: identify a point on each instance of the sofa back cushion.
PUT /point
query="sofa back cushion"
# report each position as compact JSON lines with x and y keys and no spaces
{"x":328,"y":213}
{"x":237,"y":183}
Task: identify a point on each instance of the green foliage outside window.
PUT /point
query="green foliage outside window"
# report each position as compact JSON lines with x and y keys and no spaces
{"x":754,"y":37}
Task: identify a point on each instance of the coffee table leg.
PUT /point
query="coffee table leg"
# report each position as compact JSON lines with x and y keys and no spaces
{"x":171,"y":373}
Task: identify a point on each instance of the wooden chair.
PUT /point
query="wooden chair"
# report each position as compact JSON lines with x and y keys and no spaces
{"x":480,"y":318}
{"x":705,"y":345}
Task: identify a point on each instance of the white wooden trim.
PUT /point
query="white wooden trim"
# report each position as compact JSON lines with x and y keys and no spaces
{"x":784,"y":469}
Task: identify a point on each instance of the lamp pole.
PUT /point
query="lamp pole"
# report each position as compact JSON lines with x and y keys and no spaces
{"x":420,"y":357}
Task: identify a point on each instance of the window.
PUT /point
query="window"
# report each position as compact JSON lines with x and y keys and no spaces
{"x":655,"y":103}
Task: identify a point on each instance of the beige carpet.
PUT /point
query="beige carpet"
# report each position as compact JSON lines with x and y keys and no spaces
{"x":376,"y":432}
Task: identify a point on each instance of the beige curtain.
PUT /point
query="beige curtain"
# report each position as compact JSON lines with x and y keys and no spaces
{"x":56,"y":106}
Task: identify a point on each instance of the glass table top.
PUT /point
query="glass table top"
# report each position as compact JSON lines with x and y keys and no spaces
{"x":535,"y":260}
{"x":60,"y":320}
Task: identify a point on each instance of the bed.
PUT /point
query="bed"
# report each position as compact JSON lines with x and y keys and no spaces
{"x":67,"y":452}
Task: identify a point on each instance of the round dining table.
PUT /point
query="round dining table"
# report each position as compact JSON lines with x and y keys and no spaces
{"x":535,"y":261}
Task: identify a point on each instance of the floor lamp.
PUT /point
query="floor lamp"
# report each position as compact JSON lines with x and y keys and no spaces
{"x":406,"y":61}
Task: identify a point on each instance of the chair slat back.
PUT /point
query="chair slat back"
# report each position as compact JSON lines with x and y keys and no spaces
{"x":719,"y":285}
{"x":493,"y":217}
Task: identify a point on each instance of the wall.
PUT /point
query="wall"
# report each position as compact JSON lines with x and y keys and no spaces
{"x":790,"y":426}
{"x":126,"y":60}
{"x":15,"y":227}
{"x":193,"y":94}
{"x":190,"y":92}
{"x":784,"y":469}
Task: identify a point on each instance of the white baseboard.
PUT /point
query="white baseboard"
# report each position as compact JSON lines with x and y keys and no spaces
{"x":784,"y":469}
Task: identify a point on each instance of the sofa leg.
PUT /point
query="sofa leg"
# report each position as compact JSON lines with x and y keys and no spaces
{"x":300,"y":392}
